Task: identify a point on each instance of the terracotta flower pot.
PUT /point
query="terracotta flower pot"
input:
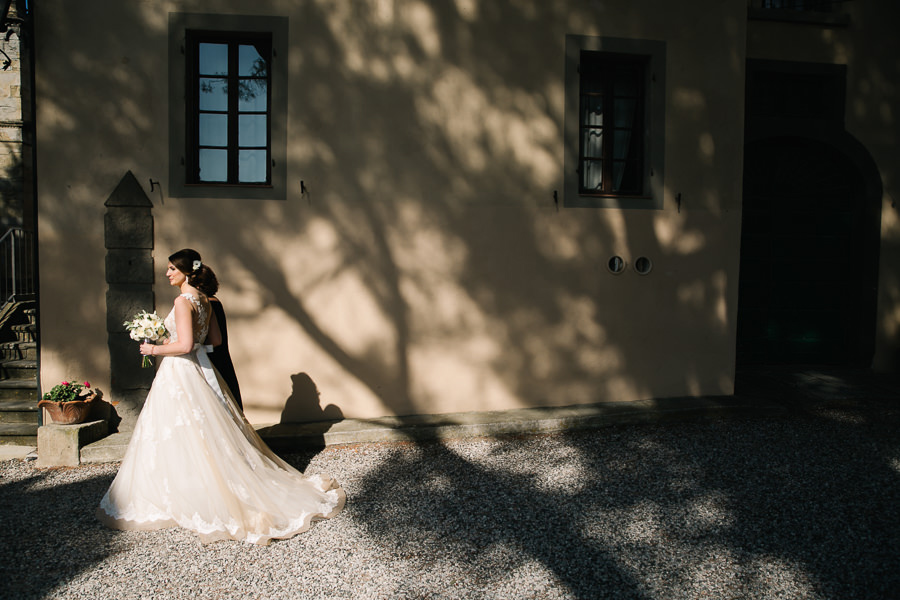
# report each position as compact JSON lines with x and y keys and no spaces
{"x":69,"y":413}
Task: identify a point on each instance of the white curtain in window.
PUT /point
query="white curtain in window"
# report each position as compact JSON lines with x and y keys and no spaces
{"x":592,"y":144}
{"x":625,"y":113}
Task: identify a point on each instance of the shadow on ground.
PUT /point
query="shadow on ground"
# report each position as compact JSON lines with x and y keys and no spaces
{"x":795,"y":507}
{"x":800,"y":505}
{"x":50,"y":534}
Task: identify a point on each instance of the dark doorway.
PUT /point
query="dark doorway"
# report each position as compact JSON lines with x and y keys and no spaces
{"x":808,"y":263}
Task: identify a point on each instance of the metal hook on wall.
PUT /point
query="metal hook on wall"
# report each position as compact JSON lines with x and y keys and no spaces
{"x":304,"y":192}
{"x":156,"y":185}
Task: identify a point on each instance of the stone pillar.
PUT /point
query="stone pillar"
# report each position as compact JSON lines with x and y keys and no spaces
{"x":129,"y":274}
{"x":12,"y":176}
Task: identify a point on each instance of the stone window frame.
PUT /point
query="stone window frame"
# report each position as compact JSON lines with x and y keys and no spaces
{"x":179,"y":25}
{"x":654,"y":52}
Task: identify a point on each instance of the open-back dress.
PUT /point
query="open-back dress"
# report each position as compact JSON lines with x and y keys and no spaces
{"x":195,"y":462}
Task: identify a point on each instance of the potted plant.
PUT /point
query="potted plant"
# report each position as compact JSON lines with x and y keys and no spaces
{"x":69,"y":403}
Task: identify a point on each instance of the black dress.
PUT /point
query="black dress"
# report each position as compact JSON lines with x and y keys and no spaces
{"x":220,"y":357}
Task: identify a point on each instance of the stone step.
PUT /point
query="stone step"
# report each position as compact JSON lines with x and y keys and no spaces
{"x":25,"y":333}
{"x":18,"y":369}
{"x":18,"y":351}
{"x":61,"y":445}
{"x":18,"y":434}
{"x":18,"y":389}
{"x":109,"y":449}
{"x":18,"y":411}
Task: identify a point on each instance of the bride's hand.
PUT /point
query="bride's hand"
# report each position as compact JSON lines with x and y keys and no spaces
{"x":147,"y":349}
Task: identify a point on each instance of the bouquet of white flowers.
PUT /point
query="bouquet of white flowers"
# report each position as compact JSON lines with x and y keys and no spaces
{"x":146,"y":327}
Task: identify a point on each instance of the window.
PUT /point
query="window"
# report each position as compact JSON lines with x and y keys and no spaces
{"x":228,"y":106}
{"x":611,"y":156}
{"x":820,"y":12}
{"x":228,"y":113}
{"x":615,"y":111}
{"x":807,"y":5}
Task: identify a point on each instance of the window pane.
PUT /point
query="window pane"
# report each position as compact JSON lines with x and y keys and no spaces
{"x":592,"y":143}
{"x":252,"y":95}
{"x":592,"y":175}
{"x":229,"y":107}
{"x":591,"y":83}
{"x":213,"y":59}
{"x":593,"y":111}
{"x":213,"y":165}
{"x":251,"y":62}
{"x":622,"y":142}
{"x":252,"y":130}
{"x":213,"y":130}
{"x":213,"y":94}
{"x":625,"y":87}
{"x":625,"y":112}
{"x":252,"y":166}
{"x":626,"y":177}
{"x":626,"y":84}
{"x":814,"y":5}
{"x":618,"y":173}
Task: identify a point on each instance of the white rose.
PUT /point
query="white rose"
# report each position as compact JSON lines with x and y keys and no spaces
{"x":135,"y":335}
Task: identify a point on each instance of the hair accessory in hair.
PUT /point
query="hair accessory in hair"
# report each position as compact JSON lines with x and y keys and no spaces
{"x":196,"y":265}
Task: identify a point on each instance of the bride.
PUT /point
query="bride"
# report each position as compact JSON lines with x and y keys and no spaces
{"x":194,"y":461}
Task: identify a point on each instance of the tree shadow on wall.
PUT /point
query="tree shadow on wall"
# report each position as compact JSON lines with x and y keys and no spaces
{"x":507,"y":270}
{"x":428,"y":132}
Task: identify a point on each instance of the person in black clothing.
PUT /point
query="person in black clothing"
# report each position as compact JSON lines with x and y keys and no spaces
{"x":220,"y":357}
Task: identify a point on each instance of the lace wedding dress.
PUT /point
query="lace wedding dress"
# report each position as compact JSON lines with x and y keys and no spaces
{"x":195,"y":462}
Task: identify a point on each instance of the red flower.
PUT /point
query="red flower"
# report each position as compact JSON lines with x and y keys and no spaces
{"x":65,"y":383}
{"x":87,"y":384}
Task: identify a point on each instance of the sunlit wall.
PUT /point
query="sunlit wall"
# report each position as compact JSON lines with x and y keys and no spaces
{"x":427,"y":268}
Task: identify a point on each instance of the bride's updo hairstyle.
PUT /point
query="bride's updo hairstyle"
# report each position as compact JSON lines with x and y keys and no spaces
{"x":198,"y":274}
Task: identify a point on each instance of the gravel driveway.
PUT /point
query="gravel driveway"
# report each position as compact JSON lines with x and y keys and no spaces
{"x":805,"y":505}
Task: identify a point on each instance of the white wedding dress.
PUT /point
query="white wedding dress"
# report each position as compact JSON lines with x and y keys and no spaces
{"x":195,"y":462}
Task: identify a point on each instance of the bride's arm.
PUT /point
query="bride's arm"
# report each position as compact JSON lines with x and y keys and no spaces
{"x":184,"y":326}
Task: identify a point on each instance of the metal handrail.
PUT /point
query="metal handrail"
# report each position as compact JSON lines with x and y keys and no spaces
{"x":17,"y":263}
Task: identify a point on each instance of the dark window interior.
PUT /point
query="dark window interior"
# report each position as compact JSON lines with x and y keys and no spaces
{"x":611,"y":115}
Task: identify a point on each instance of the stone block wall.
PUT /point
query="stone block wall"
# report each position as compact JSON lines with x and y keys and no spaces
{"x":128,"y":227}
{"x":11,"y":138}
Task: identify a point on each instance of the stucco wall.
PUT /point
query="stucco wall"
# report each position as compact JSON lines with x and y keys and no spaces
{"x":428,"y":269}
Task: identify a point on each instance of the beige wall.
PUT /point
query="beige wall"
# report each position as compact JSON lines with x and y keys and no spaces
{"x":869,"y":47}
{"x":428,"y":270}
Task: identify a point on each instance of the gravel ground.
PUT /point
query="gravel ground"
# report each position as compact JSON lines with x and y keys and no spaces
{"x":803,"y":506}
